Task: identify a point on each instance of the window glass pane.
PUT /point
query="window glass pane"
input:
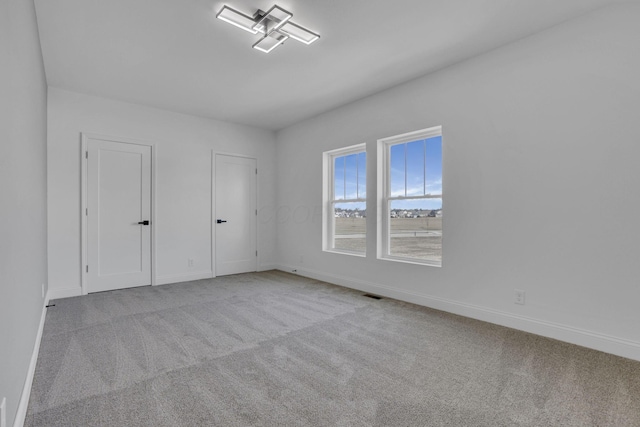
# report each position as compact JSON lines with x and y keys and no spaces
{"x":415,"y":168}
{"x":397,"y":172}
{"x":434,"y":165}
{"x":416,"y":229}
{"x":350,"y":226}
{"x":338,"y":178}
{"x":351,"y":176}
{"x":362,"y":175}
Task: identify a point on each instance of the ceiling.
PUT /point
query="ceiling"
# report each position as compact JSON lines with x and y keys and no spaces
{"x":174,"y":54}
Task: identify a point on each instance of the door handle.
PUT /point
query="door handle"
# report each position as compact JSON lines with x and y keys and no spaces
{"x":145,"y":222}
{"x":220,"y":221}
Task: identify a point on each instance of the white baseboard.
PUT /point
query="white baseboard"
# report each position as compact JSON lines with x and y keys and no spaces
{"x":267,"y":267}
{"x":582,"y":337}
{"x":160,"y":280}
{"x":165,"y":280}
{"x":54,"y":294}
{"x":26,"y":390}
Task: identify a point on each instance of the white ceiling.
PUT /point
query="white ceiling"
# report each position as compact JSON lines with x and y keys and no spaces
{"x":174,"y":54}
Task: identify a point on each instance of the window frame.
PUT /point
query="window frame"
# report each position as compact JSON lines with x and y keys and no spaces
{"x":383,"y":243}
{"x":329,"y":197}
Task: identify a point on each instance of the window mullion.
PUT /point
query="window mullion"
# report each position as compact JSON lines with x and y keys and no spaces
{"x":350,"y":201}
{"x":405,"y":170}
{"x":424,"y":166}
{"x":357,"y":175}
{"x":388,"y":172}
{"x":344,"y":177}
{"x":426,"y":196}
{"x":333,"y":179}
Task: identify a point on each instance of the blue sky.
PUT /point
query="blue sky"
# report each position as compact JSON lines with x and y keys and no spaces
{"x":351,"y":176}
{"x":416,"y":170}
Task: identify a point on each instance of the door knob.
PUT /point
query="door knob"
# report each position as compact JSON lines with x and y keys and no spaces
{"x":145,"y":222}
{"x":220,"y":221}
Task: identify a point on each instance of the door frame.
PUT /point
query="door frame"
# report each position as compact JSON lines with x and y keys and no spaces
{"x":214,"y":153}
{"x":84,"y":200}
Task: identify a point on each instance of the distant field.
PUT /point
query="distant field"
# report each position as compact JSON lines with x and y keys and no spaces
{"x":410,"y":237}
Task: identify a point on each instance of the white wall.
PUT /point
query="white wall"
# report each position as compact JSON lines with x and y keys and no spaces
{"x":541,"y":176}
{"x":183,"y":146}
{"x":23,"y":192}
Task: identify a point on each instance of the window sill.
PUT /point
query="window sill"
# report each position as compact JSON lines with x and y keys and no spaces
{"x":337,"y":251}
{"x":411,"y":261}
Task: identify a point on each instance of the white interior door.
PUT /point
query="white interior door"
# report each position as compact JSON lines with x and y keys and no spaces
{"x":235,"y":215}
{"x":118,"y":215}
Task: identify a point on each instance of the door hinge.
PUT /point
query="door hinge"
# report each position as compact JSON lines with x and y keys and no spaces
{"x":86,"y":211}
{"x":256,"y":211}
{"x":86,"y":154}
{"x":256,"y":171}
{"x":256,"y":253}
{"x":87,"y":268}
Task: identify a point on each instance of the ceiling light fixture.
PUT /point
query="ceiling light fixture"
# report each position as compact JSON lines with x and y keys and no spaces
{"x":275,"y":25}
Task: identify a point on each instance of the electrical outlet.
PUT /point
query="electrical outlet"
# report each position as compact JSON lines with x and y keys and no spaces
{"x":190,"y":262}
{"x":518,"y":296}
{"x":3,"y":412}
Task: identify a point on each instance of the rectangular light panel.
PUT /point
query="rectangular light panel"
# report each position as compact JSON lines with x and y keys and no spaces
{"x":238,"y":19}
{"x":299,"y":33}
{"x":268,"y":43}
{"x":273,"y":19}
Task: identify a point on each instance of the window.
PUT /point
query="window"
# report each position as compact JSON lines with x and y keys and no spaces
{"x":410,"y":197}
{"x":345,"y":197}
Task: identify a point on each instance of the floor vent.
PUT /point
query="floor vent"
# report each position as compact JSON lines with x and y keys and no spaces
{"x":372,"y":296}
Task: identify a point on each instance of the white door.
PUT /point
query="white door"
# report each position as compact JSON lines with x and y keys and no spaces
{"x":235,"y":215}
{"x":118,"y":215}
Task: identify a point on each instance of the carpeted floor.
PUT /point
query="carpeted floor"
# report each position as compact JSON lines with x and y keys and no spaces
{"x":275,"y":349}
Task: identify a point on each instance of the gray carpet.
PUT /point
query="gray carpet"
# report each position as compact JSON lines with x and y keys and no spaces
{"x":274,"y":349}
